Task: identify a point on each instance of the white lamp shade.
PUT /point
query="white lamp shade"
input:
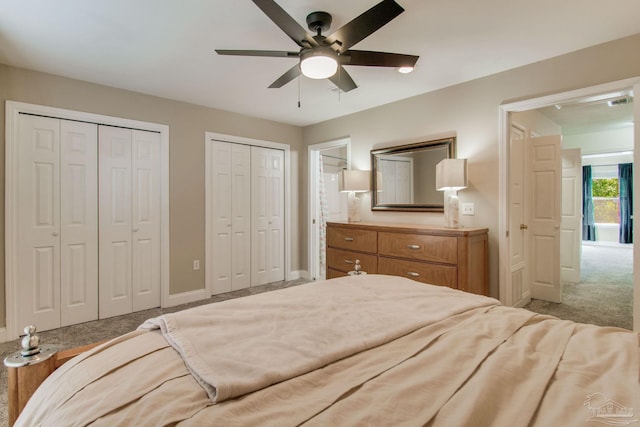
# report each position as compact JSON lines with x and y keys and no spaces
{"x":354,"y":180}
{"x":318,"y":63}
{"x":451,"y":174}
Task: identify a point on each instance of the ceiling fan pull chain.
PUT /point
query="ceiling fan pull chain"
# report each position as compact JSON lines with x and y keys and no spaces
{"x":339,"y":84}
{"x":299,"y":77}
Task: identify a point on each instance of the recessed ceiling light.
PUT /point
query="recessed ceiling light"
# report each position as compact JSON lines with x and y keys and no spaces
{"x":405,"y":70}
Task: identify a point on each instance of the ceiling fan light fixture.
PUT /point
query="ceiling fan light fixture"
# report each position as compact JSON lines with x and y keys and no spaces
{"x":319,"y":63}
{"x":405,"y":70}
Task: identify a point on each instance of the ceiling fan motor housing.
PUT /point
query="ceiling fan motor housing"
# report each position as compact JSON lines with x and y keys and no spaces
{"x":319,"y":22}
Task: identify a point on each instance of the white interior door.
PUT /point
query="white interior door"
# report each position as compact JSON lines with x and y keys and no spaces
{"x":115,"y":221}
{"x":518,"y":233}
{"x":546,"y":174}
{"x":571,"y":228}
{"x":276,"y":215}
{"x":404,"y":182}
{"x":396,"y":180}
{"x":38,"y":257}
{"x":78,"y":222}
{"x":221,"y":217}
{"x":231,"y":216}
{"x":267,"y":215}
{"x":387,"y":193}
{"x":241,"y":197}
{"x":145,"y":241}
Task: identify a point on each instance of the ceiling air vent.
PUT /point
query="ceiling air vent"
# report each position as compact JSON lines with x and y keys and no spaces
{"x":620,"y":101}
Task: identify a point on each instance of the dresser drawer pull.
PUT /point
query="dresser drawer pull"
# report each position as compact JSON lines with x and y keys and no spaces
{"x":413,"y":246}
{"x":348,"y":261}
{"x":349,"y":239}
{"x":413,"y":274}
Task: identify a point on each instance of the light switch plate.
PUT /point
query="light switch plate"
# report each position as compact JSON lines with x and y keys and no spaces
{"x":468,"y":209}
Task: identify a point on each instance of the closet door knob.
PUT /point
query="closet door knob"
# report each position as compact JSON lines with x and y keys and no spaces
{"x":135,"y":230}
{"x":54,"y":234}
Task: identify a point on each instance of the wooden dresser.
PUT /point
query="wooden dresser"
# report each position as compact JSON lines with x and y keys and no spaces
{"x":457,"y":258}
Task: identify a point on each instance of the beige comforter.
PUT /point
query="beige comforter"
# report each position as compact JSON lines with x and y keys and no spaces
{"x":372,"y":350}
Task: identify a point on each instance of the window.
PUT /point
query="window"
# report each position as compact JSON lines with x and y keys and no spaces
{"x":606,"y":200}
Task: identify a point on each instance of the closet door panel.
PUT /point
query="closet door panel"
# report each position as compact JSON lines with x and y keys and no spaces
{"x":276,"y":215}
{"x":79,"y":222}
{"x":259,"y":216}
{"x":231,"y":211}
{"x":221,"y":217}
{"x":241,"y":216}
{"x":115,"y":269}
{"x":146,"y":220}
{"x":38,"y":231}
{"x":267,"y":236}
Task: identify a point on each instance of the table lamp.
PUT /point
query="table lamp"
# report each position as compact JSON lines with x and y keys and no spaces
{"x":451,"y":176}
{"x":354,"y":181}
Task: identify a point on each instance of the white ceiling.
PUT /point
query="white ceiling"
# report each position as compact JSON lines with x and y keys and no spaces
{"x":593,"y":114}
{"x":166,"y":47}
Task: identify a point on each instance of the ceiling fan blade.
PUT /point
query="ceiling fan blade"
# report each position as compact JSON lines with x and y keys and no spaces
{"x":365,"y":24}
{"x":377,"y":59}
{"x":343,"y":80}
{"x":270,"y":53}
{"x":286,"y":23}
{"x":286,"y":77}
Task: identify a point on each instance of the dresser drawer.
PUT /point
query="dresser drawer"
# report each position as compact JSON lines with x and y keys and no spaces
{"x":332,"y":274}
{"x":418,"y":246}
{"x":345,"y":261}
{"x":353,"y":239}
{"x":434,"y":274}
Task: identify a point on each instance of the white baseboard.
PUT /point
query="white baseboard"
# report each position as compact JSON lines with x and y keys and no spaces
{"x":297,"y":274}
{"x":186,"y":297}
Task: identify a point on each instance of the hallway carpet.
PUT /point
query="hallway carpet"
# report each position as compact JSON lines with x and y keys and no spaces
{"x":604,"y":296}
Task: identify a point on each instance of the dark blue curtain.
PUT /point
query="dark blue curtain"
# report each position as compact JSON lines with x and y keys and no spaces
{"x":625,"y":181}
{"x":588,"y":222}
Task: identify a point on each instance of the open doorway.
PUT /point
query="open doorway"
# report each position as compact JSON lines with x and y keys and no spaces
{"x":597,"y":279}
{"x":326,"y":202}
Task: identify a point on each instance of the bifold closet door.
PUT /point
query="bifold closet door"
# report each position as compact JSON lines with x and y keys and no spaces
{"x":57,"y":222}
{"x":267,"y":215}
{"x":231,"y":216}
{"x":78,"y":222}
{"x":146,"y":220}
{"x":129,"y":181}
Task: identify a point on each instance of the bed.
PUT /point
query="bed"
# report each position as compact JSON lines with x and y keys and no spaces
{"x":359,"y":350}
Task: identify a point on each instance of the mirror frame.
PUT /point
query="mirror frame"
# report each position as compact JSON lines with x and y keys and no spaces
{"x":449,"y":143}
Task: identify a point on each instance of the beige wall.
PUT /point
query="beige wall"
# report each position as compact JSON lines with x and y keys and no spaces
{"x":187,"y":124}
{"x":470,"y":110}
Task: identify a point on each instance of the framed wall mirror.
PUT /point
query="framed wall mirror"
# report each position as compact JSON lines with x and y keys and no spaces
{"x":404,"y":177}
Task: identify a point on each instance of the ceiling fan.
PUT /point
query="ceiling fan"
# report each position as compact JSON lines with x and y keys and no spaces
{"x":324,"y":56}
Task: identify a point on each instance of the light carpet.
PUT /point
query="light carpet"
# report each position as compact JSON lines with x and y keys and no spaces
{"x":604,"y":295}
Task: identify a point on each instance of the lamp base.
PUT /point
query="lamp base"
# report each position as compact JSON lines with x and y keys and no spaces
{"x":451,"y":209}
{"x":354,"y":207}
